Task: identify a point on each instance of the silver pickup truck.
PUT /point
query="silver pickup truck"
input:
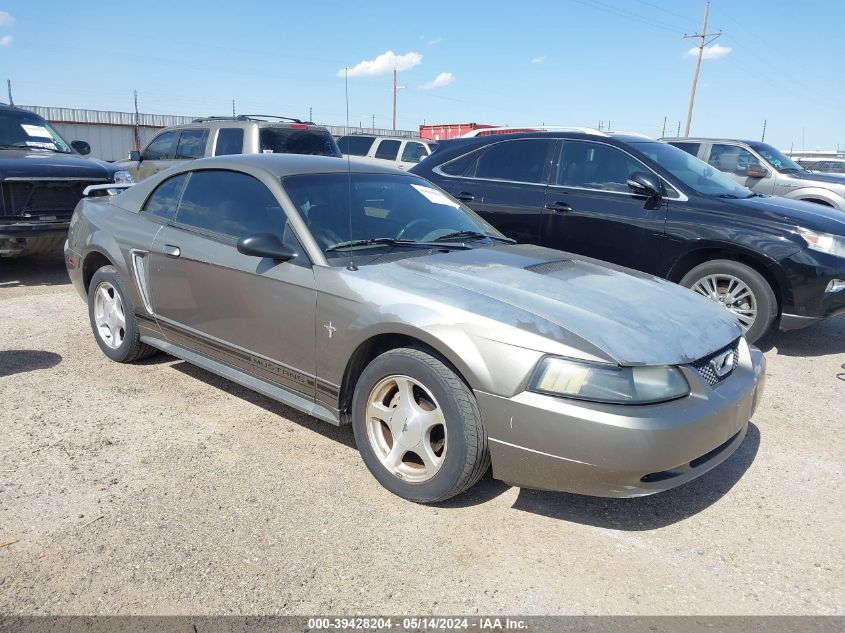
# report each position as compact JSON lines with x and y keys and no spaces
{"x":766,"y":170}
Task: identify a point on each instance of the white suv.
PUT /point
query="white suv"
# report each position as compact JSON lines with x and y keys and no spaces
{"x":403,"y":153}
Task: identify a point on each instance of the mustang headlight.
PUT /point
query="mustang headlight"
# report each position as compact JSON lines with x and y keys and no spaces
{"x":825,"y":242}
{"x":607,"y":383}
{"x":123,"y":178}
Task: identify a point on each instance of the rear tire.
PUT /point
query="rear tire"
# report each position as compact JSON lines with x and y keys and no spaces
{"x":112,"y":317}
{"x":418,"y":427}
{"x":739,"y":289}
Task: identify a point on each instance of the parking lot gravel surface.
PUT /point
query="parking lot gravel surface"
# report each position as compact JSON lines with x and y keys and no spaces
{"x":159,"y":488}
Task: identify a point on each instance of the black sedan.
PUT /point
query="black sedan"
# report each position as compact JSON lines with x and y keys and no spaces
{"x":643,"y":204}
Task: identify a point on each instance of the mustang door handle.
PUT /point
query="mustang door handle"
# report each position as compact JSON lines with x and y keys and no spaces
{"x":465,"y":196}
{"x":559,"y":207}
{"x":171,"y":251}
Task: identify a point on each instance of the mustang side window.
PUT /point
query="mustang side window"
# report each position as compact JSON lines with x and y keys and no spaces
{"x":163,"y":201}
{"x":229,"y":203}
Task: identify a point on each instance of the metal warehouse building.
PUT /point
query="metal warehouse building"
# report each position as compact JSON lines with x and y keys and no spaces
{"x":112,"y":134}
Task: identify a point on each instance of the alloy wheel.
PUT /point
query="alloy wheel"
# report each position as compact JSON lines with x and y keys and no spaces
{"x":733,"y":294}
{"x":109,"y":318}
{"x":406,"y":428}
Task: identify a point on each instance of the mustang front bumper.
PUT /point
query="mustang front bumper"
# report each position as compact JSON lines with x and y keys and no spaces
{"x":549,"y":443}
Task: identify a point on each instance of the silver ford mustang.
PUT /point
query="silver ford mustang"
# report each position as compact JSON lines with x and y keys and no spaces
{"x":363,"y":294}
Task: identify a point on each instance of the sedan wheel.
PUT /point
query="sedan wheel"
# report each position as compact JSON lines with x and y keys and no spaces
{"x":406,"y":428}
{"x":733,"y":294}
{"x":738,"y":288}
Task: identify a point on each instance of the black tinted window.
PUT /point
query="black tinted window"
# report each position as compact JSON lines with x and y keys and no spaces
{"x":523,"y":161}
{"x":689,"y":148}
{"x":191,"y":144}
{"x":388,"y":150}
{"x":229,"y":203}
{"x":595,"y":166}
{"x":356,"y":145}
{"x":230,"y":140}
{"x":462,"y":166}
{"x":163,"y":201}
{"x":161,"y":147}
{"x":282,"y":140}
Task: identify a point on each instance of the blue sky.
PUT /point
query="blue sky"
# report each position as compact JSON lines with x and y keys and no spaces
{"x":569,"y":62}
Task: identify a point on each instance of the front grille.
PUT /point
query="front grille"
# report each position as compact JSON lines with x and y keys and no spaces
{"x":711,"y":366}
{"x":35,"y":198}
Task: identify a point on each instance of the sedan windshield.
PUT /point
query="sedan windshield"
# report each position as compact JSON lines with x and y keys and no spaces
{"x":25,"y":130}
{"x":777,"y":159}
{"x":378,"y":211}
{"x":694,"y":173}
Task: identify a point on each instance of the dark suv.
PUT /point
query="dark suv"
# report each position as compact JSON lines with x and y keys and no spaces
{"x":42,"y":177}
{"x":650,"y":206}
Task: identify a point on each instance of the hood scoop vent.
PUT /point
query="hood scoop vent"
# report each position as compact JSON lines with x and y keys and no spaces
{"x":549,"y":268}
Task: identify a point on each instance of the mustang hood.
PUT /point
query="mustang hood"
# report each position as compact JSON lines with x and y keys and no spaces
{"x":633,"y":318}
{"x":44,"y":164}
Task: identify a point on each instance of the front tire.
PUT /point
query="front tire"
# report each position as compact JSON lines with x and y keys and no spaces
{"x":112,"y":317}
{"x":418,"y":427}
{"x":739,"y":289}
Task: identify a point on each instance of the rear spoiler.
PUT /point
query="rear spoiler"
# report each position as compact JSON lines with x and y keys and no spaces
{"x":111,"y":189}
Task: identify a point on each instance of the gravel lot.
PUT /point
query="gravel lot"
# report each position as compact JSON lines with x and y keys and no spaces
{"x":159,"y":488}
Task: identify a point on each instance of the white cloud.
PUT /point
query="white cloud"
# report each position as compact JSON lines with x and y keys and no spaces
{"x":431,"y":41}
{"x":5,"y":40}
{"x":443,"y":79}
{"x":716,"y":51}
{"x":6,"y":19}
{"x":382,"y":64}
{"x":538,"y":60}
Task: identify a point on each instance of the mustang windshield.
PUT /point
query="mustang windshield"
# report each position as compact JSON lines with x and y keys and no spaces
{"x":694,"y":173}
{"x":25,"y":130}
{"x":377,"y":211}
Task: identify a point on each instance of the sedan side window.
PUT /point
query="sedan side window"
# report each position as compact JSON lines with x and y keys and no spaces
{"x":520,"y":161}
{"x":732,"y":159}
{"x":229,"y":203}
{"x":388,"y":150}
{"x":163,"y":201}
{"x":191,"y":144}
{"x":594,"y":166}
{"x":161,"y":147}
{"x":230,"y":140}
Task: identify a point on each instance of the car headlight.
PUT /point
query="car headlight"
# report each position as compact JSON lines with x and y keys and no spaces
{"x":824,"y":242}
{"x":123,"y":178}
{"x":608,"y":383}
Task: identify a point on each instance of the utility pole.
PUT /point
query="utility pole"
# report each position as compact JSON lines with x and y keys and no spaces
{"x":678,"y":135}
{"x":703,"y":42}
{"x":9,"y":86}
{"x":394,"y":97}
{"x":137,"y":130}
{"x":233,"y":108}
{"x":310,"y":113}
{"x":763,"y":140}
{"x":663,"y":133}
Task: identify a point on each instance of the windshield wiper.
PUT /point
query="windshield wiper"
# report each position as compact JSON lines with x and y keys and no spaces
{"x":473,"y":235}
{"x":389,"y":241}
{"x":731,"y":196}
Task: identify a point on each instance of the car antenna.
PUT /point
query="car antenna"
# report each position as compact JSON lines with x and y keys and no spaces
{"x":351,"y":265}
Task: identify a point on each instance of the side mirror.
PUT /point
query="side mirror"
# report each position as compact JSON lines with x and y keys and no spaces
{"x":135,"y":155}
{"x":265,"y":245}
{"x":756,"y":171}
{"x":81,"y":146}
{"x":645,"y":184}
